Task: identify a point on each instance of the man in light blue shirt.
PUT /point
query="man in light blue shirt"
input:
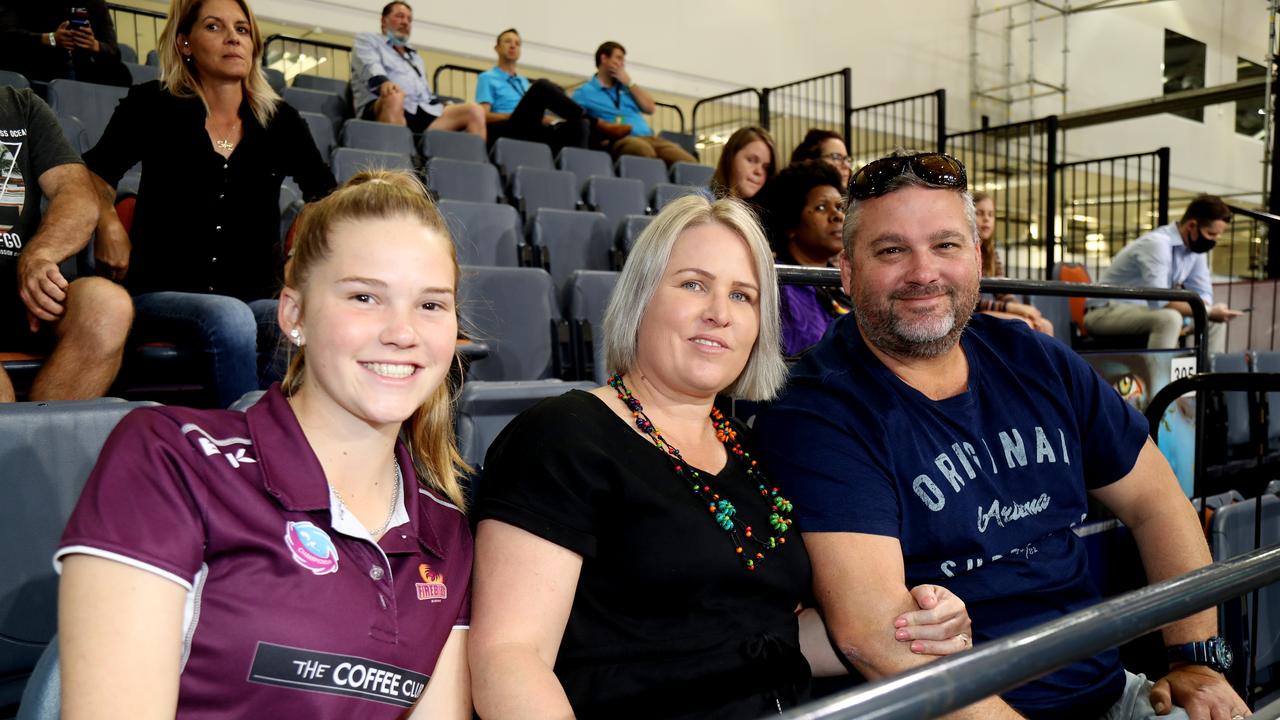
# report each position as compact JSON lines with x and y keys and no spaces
{"x":389,"y":81}
{"x":610,"y":96}
{"x":1171,"y":256}
{"x":515,"y":107}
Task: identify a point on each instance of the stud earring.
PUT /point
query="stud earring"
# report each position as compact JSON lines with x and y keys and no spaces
{"x":297,"y":336}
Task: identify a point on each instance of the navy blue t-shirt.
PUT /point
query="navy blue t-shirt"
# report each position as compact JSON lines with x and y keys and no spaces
{"x":981,"y":489}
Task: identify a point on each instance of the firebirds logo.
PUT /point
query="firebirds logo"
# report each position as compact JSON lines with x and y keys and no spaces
{"x":432,"y":587}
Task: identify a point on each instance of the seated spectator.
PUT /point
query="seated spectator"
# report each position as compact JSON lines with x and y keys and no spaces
{"x":203,"y":255}
{"x":308,"y":557}
{"x":53,"y":39}
{"x":517,"y":108}
{"x":613,"y":100}
{"x":828,"y":147}
{"x":389,"y":81}
{"x":84,"y":322}
{"x":747,"y":161}
{"x":587,"y":506}
{"x":1171,"y":256}
{"x":803,"y":210}
{"x":1007,"y":306}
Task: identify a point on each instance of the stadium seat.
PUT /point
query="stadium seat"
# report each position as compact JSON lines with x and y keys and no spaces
{"x":341,"y":88}
{"x":584,"y":164}
{"x":586,"y":296}
{"x":534,"y":188}
{"x":153,"y":59}
{"x":615,"y":197}
{"x":569,"y":241}
{"x":1231,"y":532}
{"x":139,"y":74}
{"x":1235,"y":403}
{"x":9,"y":78}
{"x":131,"y":181}
{"x":684,"y":140}
{"x":349,"y":161}
{"x":1269,"y":362}
{"x":275,"y":79}
{"x":325,"y":103}
{"x":650,"y":171}
{"x":461,"y":180}
{"x":47,"y":450}
{"x":372,"y":135}
{"x":629,"y":230}
{"x":73,"y":130}
{"x":453,"y":145}
{"x":91,"y":104}
{"x":485,"y":233}
{"x":686,"y":173}
{"x":509,"y":154}
{"x":321,"y":132}
{"x":127,"y":53}
{"x":485,"y":408}
{"x":514,"y":311}
{"x":42,"y":698}
{"x":664,"y":193}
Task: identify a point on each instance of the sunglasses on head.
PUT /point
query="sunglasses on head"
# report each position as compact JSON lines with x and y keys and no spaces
{"x":935,"y":169}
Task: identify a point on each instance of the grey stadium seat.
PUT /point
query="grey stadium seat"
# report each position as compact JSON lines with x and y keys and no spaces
{"x":1231,"y":534}
{"x":91,"y":104}
{"x":509,"y":154}
{"x":321,"y":132}
{"x":684,"y":140}
{"x":586,"y":296}
{"x":1237,"y":403}
{"x":664,"y":193}
{"x":571,"y":241}
{"x":513,"y":310}
{"x":372,"y":135}
{"x":584,"y":164}
{"x":73,"y":130}
{"x":650,"y":171}
{"x":341,"y":88}
{"x":615,"y":197}
{"x":153,"y":59}
{"x":484,"y":233}
{"x":485,"y":408}
{"x":127,"y":53}
{"x":325,"y":103}
{"x":687,"y":173}
{"x":1269,"y":362}
{"x":9,"y":78}
{"x":453,"y":145}
{"x":47,"y":450}
{"x":534,"y":188}
{"x":629,"y":230}
{"x":139,"y":74}
{"x":348,"y":161}
{"x":275,"y":79}
{"x":461,"y":180}
{"x":42,"y":698}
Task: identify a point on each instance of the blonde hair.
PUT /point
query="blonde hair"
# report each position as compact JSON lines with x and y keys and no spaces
{"x":722,"y":180}
{"x":429,"y":431}
{"x":181,"y":79}
{"x":765,"y":371}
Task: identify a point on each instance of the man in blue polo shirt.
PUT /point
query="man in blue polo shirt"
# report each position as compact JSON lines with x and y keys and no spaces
{"x":1171,"y":256}
{"x":920,"y":445}
{"x":389,"y":80}
{"x":610,"y":96}
{"x":515,"y":107}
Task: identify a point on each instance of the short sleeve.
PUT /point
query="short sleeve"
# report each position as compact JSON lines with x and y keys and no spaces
{"x":49,"y":147}
{"x":541,"y":477}
{"x":126,"y":134}
{"x":138,"y":506}
{"x":484,"y":89}
{"x":830,"y":471}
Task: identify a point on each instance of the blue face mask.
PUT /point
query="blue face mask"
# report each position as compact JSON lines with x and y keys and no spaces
{"x":397,"y":40}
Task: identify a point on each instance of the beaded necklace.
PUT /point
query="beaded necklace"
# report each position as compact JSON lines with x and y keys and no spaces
{"x":723,"y":512}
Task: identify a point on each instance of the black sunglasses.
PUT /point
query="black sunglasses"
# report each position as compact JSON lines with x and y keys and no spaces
{"x":936,"y":169}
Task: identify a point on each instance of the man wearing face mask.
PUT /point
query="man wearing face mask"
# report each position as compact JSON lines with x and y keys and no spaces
{"x":1171,"y":256}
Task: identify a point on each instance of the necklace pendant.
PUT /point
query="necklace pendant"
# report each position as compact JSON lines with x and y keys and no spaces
{"x":223,"y":144}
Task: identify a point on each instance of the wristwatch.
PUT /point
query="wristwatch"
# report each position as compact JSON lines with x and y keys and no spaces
{"x":1215,"y":653}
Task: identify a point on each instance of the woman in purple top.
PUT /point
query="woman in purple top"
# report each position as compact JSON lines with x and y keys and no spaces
{"x":804,"y":215}
{"x":309,"y":557}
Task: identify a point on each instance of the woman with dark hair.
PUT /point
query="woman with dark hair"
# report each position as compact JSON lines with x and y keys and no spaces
{"x":202,"y":258}
{"x":54,"y":39}
{"x":748,"y":160}
{"x":828,"y":147}
{"x":802,"y":210}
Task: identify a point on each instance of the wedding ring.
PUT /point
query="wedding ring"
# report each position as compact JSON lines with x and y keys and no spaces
{"x":968,"y":642}
{"x":1237,"y":716}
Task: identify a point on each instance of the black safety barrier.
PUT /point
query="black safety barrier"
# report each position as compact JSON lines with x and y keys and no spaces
{"x":139,"y":29}
{"x":302,"y":56}
{"x":918,"y":122}
{"x":792,"y":109}
{"x":717,"y":117}
{"x":1251,"y":262}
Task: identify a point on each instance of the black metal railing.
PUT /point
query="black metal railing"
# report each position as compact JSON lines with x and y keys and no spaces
{"x":717,"y":117}
{"x":456,"y":81}
{"x":792,"y":109}
{"x":139,"y":29}
{"x":667,"y":117}
{"x":1244,"y":255}
{"x":295,"y":56}
{"x":918,"y":122}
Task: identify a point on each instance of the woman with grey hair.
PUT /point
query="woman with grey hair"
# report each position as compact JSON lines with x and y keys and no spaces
{"x":632,"y":558}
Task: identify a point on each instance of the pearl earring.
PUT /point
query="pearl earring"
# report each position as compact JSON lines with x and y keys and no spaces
{"x":297,"y":336}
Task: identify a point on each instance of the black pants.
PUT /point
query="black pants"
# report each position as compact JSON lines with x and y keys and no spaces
{"x":525,"y":122}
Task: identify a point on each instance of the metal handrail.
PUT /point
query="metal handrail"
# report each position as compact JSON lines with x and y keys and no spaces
{"x":435,"y":76}
{"x":886,"y":103}
{"x":679,"y":112}
{"x":722,"y":96}
{"x":137,"y":11}
{"x":1255,"y":214}
{"x":995,"y":667}
{"x":307,"y":41}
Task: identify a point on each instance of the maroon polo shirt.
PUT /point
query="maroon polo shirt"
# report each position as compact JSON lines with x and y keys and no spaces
{"x":292,"y":609}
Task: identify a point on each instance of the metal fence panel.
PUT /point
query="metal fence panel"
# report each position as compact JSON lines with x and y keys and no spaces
{"x":796,"y":107}
{"x":299,"y":56}
{"x":917,"y":122}
{"x":717,"y":117}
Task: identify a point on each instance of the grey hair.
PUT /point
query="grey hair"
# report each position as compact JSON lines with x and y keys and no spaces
{"x":765,"y":371}
{"x":853,"y":207}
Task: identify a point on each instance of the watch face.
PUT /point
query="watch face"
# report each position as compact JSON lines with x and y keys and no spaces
{"x":1222,"y":654}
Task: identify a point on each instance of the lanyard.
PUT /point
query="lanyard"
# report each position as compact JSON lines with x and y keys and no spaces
{"x":617,"y":95}
{"x":514,"y":81}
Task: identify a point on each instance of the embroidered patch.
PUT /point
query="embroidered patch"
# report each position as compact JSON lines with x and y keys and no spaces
{"x":432,"y":587}
{"x":311,"y":547}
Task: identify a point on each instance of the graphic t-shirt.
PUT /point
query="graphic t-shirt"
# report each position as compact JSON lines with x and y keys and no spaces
{"x":981,"y":489}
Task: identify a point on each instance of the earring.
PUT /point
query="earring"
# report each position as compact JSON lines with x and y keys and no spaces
{"x":296,"y":335}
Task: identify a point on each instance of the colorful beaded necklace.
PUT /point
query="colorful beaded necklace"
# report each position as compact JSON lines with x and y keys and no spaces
{"x":722,"y":511}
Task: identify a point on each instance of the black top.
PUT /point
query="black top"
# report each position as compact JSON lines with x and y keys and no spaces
{"x":666,"y":622}
{"x":24,"y":45}
{"x":205,"y":224}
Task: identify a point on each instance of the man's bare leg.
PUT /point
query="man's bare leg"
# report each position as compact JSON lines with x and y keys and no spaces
{"x":91,"y":338}
{"x":390,"y":109}
{"x":466,"y":117}
{"x":6,"y":388}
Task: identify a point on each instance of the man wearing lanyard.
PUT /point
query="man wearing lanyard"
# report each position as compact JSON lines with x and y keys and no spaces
{"x":389,"y":81}
{"x":515,"y":107}
{"x":611,"y":96}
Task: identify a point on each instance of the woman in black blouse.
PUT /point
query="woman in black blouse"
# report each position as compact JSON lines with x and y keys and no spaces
{"x":202,"y":258}
{"x":631,"y":559}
